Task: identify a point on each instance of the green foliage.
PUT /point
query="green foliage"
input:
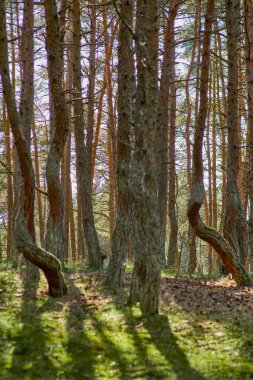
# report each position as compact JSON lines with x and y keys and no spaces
{"x":91,"y":334}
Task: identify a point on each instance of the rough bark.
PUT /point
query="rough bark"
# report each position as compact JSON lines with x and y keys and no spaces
{"x":214,"y":238}
{"x":55,"y":239}
{"x":248,"y":9}
{"x":163,"y":120}
{"x":126,"y":90}
{"x":146,"y":242}
{"x":9,"y":184}
{"x":192,"y":264}
{"x":37,"y":179}
{"x":24,"y":219}
{"x":91,"y":86}
{"x":173,"y":230}
{"x":235,"y":225}
{"x":82,"y":167}
{"x":111,"y":130}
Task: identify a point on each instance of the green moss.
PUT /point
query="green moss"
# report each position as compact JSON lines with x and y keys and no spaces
{"x":88,"y":335}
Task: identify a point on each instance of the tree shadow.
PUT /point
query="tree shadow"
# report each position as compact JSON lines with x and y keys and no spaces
{"x":88,"y":343}
{"x":31,"y":356}
{"x":218,"y":301}
{"x":159,"y":334}
{"x":166,"y":342}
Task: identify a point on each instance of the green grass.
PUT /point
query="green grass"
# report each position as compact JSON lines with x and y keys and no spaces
{"x":91,"y":334}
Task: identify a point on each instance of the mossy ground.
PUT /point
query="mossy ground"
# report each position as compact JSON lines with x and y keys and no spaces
{"x":92,"y":334}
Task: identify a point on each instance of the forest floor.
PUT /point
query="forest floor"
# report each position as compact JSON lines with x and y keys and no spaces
{"x":204,"y":331}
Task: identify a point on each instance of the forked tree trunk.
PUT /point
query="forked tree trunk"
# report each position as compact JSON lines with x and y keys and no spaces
{"x":146,"y":242}
{"x":126,"y":91}
{"x":24,"y":219}
{"x":213,"y":237}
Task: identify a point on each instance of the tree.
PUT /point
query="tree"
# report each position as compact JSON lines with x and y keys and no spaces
{"x":227,"y":253}
{"x":235,"y":225}
{"x":83,"y":169}
{"x":55,"y":238}
{"x":126,"y":92}
{"x":146,"y":240}
{"x":24,"y":220}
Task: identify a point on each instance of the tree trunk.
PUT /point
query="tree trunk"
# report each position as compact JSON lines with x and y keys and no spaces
{"x":173,"y":244}
{"x":235,"y":225}
{"x":82,"y":167}
{"x":55,"y":238}
{"x":146,"y":241}
{"x":126,"y":91}
{"x":163,"y":121}
{"x":24,"y":219}
{"x":216,"y":240}
{"x":248,"y":9}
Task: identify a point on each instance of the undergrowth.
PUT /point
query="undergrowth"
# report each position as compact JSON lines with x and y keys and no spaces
{"x":92,"y":334}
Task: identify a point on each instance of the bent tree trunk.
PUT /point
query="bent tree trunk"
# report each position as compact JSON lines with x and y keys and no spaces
{"x":227,"y":253}
{"x":24,"y":218}
{"x":126,"y":89}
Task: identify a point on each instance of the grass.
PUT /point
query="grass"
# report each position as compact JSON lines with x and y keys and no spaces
{"x":91,"y":334}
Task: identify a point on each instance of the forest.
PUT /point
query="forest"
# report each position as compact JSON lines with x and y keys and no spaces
{"x":126,"y":189}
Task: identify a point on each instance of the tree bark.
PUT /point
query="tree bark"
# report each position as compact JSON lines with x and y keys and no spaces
{"x":248,"y":9}
{"x":215,"y":239}
{"x":173,"y":232}
{"x":163,"y":122}
{"x":235,"y":225}
{"x":146,"y":242}
{"x":55,"y":238}
{"x":82,"y":167}
{"x":126,"y":92}
{"x":24,"y":219}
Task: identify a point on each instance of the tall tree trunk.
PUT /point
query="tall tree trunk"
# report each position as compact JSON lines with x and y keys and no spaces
{"x":91,"y":86}
{"x":226,"y":252}
{"x":111,"y":129}
{"x":37,"y":179}
{"x":55,"y":238}
{"x":82,"y":167}
{"x":163,"y":123}
{"x":9,"y":183}
{"x":173,"y":244}
{"x":248,"y":9}
{"x":191,"y":232}
{"x":146,"y":241}
{"x":235,"y":225}
{"x":24,"y":231}
{"x":126,"y":92}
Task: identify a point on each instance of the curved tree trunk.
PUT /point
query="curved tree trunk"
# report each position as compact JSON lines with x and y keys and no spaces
{"x":24,"y":219}
{"x":214,"y":238}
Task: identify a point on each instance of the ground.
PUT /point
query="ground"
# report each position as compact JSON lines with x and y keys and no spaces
{"x":204,"y":331}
